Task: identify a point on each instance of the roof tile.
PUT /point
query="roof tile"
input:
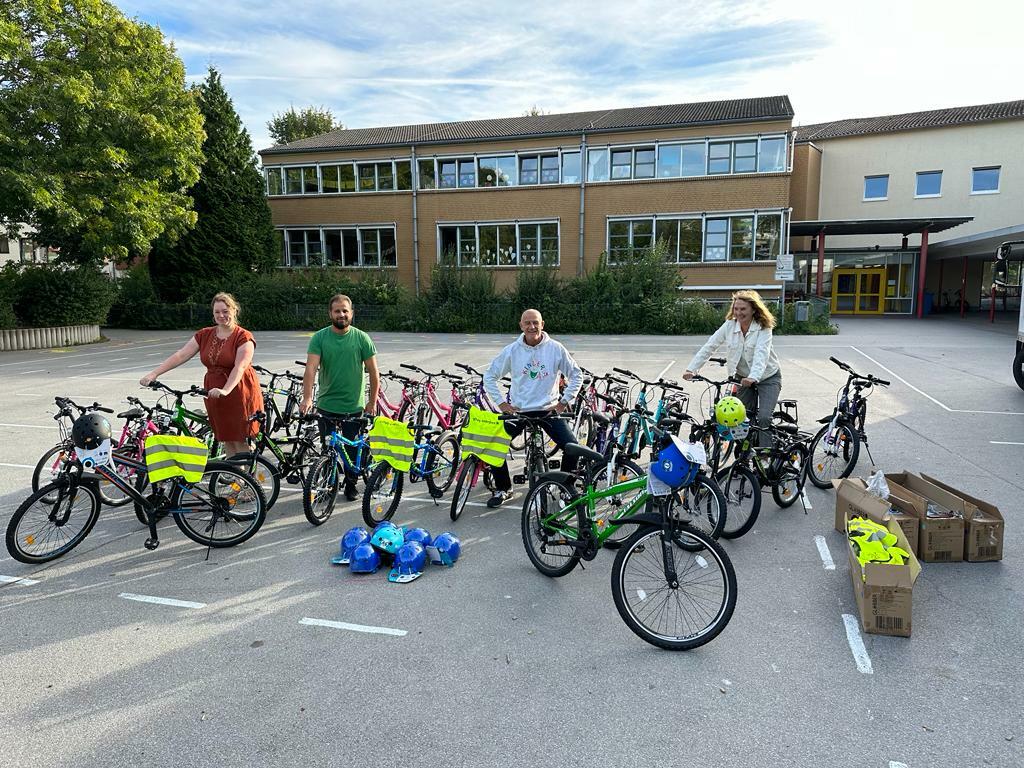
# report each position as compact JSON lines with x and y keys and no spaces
{"x":935,"y":118}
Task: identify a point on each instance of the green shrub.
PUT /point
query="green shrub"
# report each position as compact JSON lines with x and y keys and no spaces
{"x":8,"y":295}
{"x":59,"y":294}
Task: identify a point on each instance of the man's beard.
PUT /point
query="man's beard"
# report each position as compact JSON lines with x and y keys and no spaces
{"x":341,"y":325}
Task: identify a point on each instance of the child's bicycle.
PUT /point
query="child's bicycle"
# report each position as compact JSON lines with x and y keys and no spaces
{"x":673,"y":585}
{"x":326,"y":477}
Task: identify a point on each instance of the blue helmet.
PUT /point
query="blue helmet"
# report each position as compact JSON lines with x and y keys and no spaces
{"x":353,"y":538}
{"x":409,"y":562}
{"x":365,"y":559}
{"x":388,"y":538}
{"x":445,"y":550}
{"x":419,"y":535}
{"x":672,"y":467}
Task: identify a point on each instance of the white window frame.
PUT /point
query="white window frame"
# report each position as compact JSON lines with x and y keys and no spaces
{"x":358,"y":228}
{"x":504,"y":222}
{"x":999,"y":182}
{"x":864,"y":188}
{"x":917,"y":179}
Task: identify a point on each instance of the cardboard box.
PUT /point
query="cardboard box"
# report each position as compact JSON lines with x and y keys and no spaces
{"x":902,"y":511}
{"x":884,"y":592}
{"x":854,"y":500}
{"x":983,"y":537}
{"x":941,"y":539}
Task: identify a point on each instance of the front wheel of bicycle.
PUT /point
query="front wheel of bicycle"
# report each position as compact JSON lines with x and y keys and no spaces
{"x":552,"y":535}
{"x":320,"y":489}
{"x":832,"y":458}
{"x":792,"y":477}
{"x":42,"y":530}
{"x":265,"y":473}
{"x":679,"y":615}
{"x":742,"y":492}
{"x":442,"y":464}
{"x":382,"y":493}
{"x":464,"y":481}
{"x":223,"y":509}
{"x":700,"y":505}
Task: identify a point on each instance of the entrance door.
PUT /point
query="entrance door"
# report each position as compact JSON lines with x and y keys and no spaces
{"x":858,"y":291}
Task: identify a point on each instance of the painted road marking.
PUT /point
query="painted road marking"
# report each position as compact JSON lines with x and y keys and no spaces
{"x":894,"y":764}
{"x":826,"y":556}
{"x":664,"y":370}
{"x":807,"y":501}
{"x":117,"y":359}
{"x":1001,"y":442}
{"x":80,"y":365}
{"x":37,"y":370}
{"x":18,"y":580}
{"x":161,"y":600}
{"x":36,"y":358}
{"x":27,"y":426}
{"x":425,"y":498}
{"x":860,"y":653}
{"x":354,"y":627}
{"x":17,"y":466}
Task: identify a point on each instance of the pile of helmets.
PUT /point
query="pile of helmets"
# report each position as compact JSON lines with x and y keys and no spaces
{"x":874,"y":543}
{"x":731,"y":418}
{"x":406,"y":551}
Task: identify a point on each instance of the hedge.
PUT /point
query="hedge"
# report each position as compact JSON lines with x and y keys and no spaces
{"x":46,"y":295}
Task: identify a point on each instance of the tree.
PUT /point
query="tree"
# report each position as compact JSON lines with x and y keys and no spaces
{"x":234,"y":234}
{"x":98,"y":135}
{"x":290,"y":126}
{"x":534,"y":111}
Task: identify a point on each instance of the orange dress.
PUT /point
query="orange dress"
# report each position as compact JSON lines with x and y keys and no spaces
{"x":229,"y":415}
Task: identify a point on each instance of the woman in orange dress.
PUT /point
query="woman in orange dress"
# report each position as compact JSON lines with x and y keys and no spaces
{"x":226,"y":349}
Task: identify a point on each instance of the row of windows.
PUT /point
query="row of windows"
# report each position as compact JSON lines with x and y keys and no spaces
{"x":499,"y":245}
{"x":339,"y":247}
{"x":663,"y":161}
{"x":746,"y":237}
{"x":984,"y":180}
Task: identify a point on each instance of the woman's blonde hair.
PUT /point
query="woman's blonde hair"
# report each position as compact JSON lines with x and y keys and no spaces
{"x":761,"y":313}
{"x":227,"y":298}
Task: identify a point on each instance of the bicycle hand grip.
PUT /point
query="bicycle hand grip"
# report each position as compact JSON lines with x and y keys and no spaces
{"x":410,"y":367}
{"x":103,"y":410}
{"x":719,"y":360}
{"x":623,"y":371}
{"x":840,"y":363}
{"x":300,"y":362}
{"x":883,"y":382}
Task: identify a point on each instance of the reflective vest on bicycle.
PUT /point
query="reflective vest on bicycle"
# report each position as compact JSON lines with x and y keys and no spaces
{"x":484,"y":435}
{"x":175,"y":456}
{"x":391,"y":442}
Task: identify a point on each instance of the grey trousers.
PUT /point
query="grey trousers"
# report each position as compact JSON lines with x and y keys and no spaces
{"x":767,"y":397}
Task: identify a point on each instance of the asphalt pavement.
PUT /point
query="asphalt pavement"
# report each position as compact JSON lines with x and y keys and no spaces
{"x":265,"y":654}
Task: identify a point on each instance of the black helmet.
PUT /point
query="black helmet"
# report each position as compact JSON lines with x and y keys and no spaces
{"x":90,"y":430}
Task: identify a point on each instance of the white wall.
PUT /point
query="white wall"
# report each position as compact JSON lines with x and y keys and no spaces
{"x":954,"y":150}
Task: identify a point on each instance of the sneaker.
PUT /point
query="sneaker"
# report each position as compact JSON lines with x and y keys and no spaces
{"x":351,"y":493}
{"x":499,"y":498}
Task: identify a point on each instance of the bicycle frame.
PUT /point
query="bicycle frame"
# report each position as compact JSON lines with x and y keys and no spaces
{"x":588,"y":500}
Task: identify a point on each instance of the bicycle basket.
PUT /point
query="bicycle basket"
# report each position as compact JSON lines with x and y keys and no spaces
{"x":677,"y":463}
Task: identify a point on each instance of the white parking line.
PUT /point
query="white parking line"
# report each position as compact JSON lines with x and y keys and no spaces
{"x":17,"y":466}
{"x":36,"y":358}
{"x":161,"y":600}
{"x":665,"y":370}
{"x":26,"y":373}
{"x":354,"y":627}
{"x":27,"y":426}
{"x":894,"y":764}
{"x":826,"y":556}
{"x":18,"y":580}
{"x":80,"y":365}
{"x":424,"y":498}
{"x":860,"y":653}
{"x":117,"y":359}
{"x":1001,"y":442}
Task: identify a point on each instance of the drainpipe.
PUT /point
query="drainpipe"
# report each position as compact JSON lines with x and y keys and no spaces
{"x":415,"y":222}
{"x":583,"y":199}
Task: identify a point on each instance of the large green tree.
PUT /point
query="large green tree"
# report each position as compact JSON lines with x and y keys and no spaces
{"x":234,"y":234}
{"x":290,"y":126}
{"x":99,"y":138}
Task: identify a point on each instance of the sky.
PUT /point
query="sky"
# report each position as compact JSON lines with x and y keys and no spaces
{"x":396,"y":63}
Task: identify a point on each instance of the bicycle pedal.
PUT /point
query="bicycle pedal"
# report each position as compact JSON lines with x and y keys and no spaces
{"x":519,"y":479}
{"x":293,"y":479}
{"x":436,"y":493}
{"x":554,"y":463}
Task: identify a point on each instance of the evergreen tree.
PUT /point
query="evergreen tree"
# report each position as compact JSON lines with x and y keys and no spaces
{"x":233,"y":235}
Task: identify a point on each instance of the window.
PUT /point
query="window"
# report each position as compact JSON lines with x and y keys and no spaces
{"x":347,"y":178}
{"x":497,"y":171}
{"x":689,"y":240}
{"x":929,"y":184}
{"x":716,"y":240}
{"x":570,"y":167}
{"x":876,"y":187}
{"x":768,"y":239}
{"x":333,"y":251}
{"x":274,"y":184}
{"x":507,"y":246}
{"x":5,"y":244}
{"x":367,"y":177}
{"x":528,"y":170}
{"x":427,"y":178}
{"x":329,"y":179}
{"x":597,"y":165}
{"x":500,"y":244}
{"x":744,"y":157}
{"x":548,"y":243}
{"x":350,"y":243}
{"x":549,"y":170}
{"x":293,"y":181}
{"x":718,"y":157}
{"x":448,"y":173}
{"x":304,"y":249}
{"x":403,"y":174}
{"x":467,"y":173}
{"x":694,"y":159}
{"x":669,"y":157}
{"x":340,"y":247}
{"x":385,"y":176}
{"x":370,"y":245}
{"x":667,"y":236}
{"x":388,"y":248}
{"x":643,"y":163}
{"x":741,"y":238}
{"x":985,"y":180}
{"x":467,"y":246}
{"x":622,"y":163}
{"x":772,"y":155}
{"x":627,"y":236}
{"x":310,"y":182}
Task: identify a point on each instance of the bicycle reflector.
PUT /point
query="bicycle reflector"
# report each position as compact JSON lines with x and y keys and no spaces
{"x":672,"y":467}
{"x":730,"y":411}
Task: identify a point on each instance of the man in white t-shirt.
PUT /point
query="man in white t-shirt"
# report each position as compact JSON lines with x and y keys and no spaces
{"x":533,"y":362}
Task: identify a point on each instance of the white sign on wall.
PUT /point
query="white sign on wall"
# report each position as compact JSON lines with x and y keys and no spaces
{"x":784,"y":267}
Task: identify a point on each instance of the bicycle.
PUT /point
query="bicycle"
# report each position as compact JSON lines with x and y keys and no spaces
{"x":673,"y":585}
{"x":320,"y":490}
{"x":225,"y":496}
{"x":276,"y":419}
{"x":834,"y":450}
{"x":184,"y":420}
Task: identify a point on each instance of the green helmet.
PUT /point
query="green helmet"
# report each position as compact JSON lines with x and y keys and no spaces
{"x":730,"y":412}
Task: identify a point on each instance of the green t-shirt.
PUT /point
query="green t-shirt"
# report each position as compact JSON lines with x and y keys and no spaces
{"x":342,"y":376}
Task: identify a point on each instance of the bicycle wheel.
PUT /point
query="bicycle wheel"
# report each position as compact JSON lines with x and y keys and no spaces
{"x":49,"y":467}
{"x":464,"y":481}
{"x":583,"y":428}
{"x":382,"y":493}
{"x":607,"y":509}
{"x":225,"y":508}
{"x":263,"y":471}
{"x":832,"y":458}
{"x":742,"y":493}
{"x":442,"y":464}
{"x":676,"y":616}
{"x":40,"y":531}
{"x":551,"y":535}
{"x":320,"y":490}
{"x":1018,"y":368}
{"x":792,"y":477}
{"x":700,"y":505}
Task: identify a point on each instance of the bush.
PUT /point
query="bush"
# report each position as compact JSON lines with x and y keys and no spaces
{"x":8,"y":295}
{"x":59,"y":294}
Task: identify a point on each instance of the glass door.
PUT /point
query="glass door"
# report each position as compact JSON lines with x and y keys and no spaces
{"x":858,"y":291}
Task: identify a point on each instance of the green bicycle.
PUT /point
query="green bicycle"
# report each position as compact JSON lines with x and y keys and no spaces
{"x":673,"y":584}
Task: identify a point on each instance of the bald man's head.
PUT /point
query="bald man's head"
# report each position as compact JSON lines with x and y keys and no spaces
{"x":532,"y":325}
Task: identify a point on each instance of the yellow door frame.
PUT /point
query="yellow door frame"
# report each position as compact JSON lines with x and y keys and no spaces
{"x":857,"y":273}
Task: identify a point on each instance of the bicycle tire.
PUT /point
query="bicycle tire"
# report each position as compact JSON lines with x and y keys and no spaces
{"x":320,"y":490}
{"x":382,"y":493}
{"x":48,"y":463}
{"x":41,"y":515}
{"x":841,"y":461}
{"x":607,"y":508}
{"x":225,"y":498}
{"x":448,"y":451}
{"x":1018,"y":368}
{"x":583,"y":428}
{"x":701,"y":505}
{"x":264,"y":472}
{"x":463,"y":486}
{"x":540,"y":505}
{"x":739,"y":484}
{"x":703,"y":570}
{"x":792,"y":477}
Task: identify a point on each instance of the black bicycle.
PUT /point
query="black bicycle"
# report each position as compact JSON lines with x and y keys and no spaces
{"x":834,"y":450}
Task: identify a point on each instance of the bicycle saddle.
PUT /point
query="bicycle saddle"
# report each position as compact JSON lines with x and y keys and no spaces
{"x":131,"y":413}
{"x":582,"y":452}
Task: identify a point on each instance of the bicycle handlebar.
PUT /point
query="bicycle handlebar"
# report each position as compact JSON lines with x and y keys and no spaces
{"x":468,"y":369}
{"x":854,"y":375}
{"x":193,"y":390}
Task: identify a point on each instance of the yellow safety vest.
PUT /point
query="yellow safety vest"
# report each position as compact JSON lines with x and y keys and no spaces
{"x":484,"y":435}
{"x":392,"y":442}
{"x":175,"y":456}
{"x":874,"y":543}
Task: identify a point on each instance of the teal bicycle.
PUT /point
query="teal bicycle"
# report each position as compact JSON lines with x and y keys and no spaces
{"x":673,"y":585}
{"x":323,"y":481}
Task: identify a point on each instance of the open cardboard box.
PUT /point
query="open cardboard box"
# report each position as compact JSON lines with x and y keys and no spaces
{"x":941,"y":539}
{"x":983,"y":540}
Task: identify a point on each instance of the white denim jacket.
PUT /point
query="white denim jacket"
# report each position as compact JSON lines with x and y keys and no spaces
{"x":756,"y":349}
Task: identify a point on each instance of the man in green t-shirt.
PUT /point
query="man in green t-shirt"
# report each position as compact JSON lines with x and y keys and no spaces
{"x":340,"y":353}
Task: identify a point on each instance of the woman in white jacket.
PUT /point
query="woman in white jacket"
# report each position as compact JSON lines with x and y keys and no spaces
{"x":747,"y":334}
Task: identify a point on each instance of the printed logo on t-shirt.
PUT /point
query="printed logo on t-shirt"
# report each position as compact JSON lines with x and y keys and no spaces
{"x":535,"y":369}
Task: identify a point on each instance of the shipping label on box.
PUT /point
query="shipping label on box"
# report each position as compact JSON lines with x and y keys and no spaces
{"x":940,"y":516}
{"x":983,"y":537}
